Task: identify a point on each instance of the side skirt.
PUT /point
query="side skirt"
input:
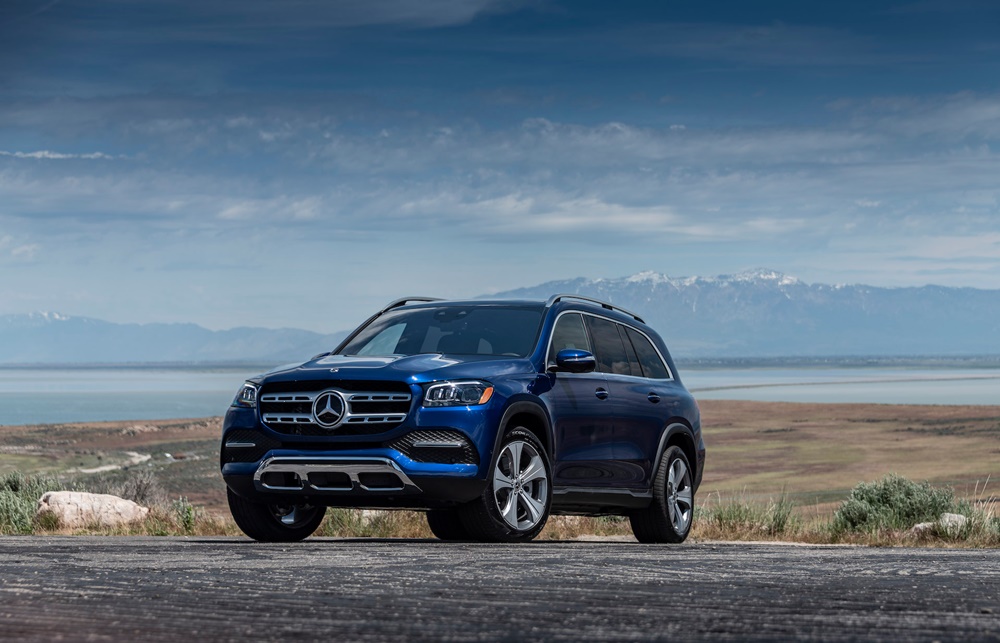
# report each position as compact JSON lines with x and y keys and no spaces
{"x":597,"y":501}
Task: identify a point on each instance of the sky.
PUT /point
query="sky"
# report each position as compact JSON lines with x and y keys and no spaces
{"x":301,"y":163}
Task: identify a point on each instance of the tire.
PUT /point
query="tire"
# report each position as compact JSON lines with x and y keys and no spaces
{"x":446,"y":524}
{"x":668,"y":519}
{"x":516,"y":502}
{"x":274,"y":523}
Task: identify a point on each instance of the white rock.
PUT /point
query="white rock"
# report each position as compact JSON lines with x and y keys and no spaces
{"x":952,"y":523}
{"x":74,"y":509}
{"x":948,"y":523}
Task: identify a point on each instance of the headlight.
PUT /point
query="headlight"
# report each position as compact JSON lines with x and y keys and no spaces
{"x":247,"y":397}
{"x":458,"y":393}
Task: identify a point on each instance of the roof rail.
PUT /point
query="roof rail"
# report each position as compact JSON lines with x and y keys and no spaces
{"x":603,"y":304}
{"x":405,"y":300}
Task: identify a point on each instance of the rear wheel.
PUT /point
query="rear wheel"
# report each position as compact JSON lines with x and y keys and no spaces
{"x":278,"y":523}
{"x":446,"y":524}
{"x":516,"y":502}
{"x":668,"y":519}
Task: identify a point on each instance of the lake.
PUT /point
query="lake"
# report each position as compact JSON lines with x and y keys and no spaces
{"x":877,"y":385}
{"x":58,"y":395}
{"x":43,"y":396}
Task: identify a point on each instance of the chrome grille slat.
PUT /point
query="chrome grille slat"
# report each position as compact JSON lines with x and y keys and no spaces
{"x":289,"y":397}
{"x":286,"y":418}
{"x":379,"y":397}
{"x":374,"y":419}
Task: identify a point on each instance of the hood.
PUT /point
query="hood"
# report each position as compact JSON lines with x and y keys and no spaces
{"x":414,"y":369}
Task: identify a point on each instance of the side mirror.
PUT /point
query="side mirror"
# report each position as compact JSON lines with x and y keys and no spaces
{"x":572,"y":360}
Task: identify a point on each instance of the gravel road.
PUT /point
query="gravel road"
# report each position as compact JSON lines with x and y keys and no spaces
{"x":218,"y":589}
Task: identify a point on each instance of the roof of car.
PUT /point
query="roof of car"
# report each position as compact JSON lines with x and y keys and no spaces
{"x":589,"y":302}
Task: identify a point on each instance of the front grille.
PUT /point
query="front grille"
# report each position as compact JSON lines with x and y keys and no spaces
{"x":246,"y":446}
{"x":446,"y":447}
{"x":371,"y":407}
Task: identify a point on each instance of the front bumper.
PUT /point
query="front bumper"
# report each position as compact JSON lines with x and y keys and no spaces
{"x":346,"y":480}
{"x":432,"y":460}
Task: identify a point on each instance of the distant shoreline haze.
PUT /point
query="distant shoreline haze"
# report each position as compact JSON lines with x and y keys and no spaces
{"x":748,"y":319}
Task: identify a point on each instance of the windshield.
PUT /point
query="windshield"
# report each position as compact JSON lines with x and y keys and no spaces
{"x":454,"y":330}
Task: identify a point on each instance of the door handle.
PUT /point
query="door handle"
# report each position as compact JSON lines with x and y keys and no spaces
{"x":653,"y":397}
{"x":602,"y":394}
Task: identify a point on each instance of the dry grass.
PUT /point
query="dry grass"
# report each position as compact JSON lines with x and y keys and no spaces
{"x":818,"y":452}
{"x":763,"y":459}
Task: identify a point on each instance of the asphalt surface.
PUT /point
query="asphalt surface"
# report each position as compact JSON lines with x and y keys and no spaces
{"x":218,"y":589}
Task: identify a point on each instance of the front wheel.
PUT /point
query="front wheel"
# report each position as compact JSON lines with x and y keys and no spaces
{"x":516,"y":502}
{"x":446,"y":524}
{"x":668,"y":519}
{"x":279,"y":523}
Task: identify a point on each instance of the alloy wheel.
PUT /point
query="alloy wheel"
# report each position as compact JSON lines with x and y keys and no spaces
{"x":679,"y":495}
{"x":520,"y":485}
{"x":293,"y":515}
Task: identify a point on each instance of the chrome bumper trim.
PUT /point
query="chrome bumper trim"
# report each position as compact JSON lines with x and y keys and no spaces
{"x":354,"y":468}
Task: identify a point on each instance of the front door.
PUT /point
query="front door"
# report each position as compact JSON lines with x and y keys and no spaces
{"x":582,"y":416}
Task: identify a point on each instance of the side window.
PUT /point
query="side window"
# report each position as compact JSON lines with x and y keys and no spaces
{"x":609,"y":350}
{"x":633,"y":361}
{"x":568,"y":333}
{"x":652,"y":365}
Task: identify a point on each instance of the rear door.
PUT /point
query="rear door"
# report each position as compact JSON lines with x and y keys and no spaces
{"x":633,"y":414}
{"x":649,"y":402}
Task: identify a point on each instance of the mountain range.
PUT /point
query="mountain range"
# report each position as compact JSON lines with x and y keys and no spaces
{"x":760,"y":313}
{"x":47,"y":338}
{"x":764,"y":313}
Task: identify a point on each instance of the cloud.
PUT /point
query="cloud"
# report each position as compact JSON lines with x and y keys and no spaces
{"x":26,"y":252}
{"x":949,"y":118}
{"x":200,"y":176}
{"x":46,"y":154}
{"x":777,"y":44}
{"x":9,"y":247}
{"x":332,"y":166}
{"x":225,"y":21}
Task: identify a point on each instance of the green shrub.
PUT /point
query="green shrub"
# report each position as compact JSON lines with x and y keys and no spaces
{"x":186,"y":514}
{"x":893,"y":503}
{"x":19,"y":496}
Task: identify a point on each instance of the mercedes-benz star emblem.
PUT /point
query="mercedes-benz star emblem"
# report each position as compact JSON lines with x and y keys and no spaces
{"x":329,"y":408}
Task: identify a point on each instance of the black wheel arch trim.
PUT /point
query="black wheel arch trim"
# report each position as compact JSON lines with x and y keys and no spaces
{"x":516,"y":406}
{"x":675,"y":428}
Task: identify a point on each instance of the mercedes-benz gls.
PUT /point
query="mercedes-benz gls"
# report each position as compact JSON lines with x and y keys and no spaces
{"x":488,"y":415}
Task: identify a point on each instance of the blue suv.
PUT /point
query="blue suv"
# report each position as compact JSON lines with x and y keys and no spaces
{"x":488,"y":415}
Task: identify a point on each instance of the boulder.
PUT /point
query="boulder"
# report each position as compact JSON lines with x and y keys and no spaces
{"x":75,"y":509}
{"x":949,"y":524}
{"x":952,"y":523}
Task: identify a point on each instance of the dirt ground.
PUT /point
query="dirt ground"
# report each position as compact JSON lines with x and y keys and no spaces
{"x":815,"y":453}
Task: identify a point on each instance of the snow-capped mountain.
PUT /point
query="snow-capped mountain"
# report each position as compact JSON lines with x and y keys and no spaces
{"x":760,"y":313}
{"x":767,"y":313}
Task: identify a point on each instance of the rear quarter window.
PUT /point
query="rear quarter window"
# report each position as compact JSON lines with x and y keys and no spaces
{"x":652,"y":366}
{"x":608,"y":347}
